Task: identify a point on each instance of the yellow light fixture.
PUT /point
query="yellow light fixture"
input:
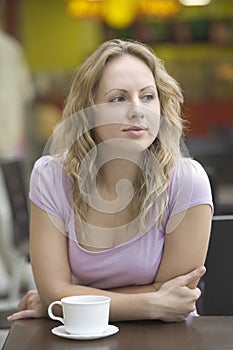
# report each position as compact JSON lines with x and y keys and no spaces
{"x":83,"y":8}
{"x":159,"y":8}
{"x":122,"y":13}
{"x":119,"y":13}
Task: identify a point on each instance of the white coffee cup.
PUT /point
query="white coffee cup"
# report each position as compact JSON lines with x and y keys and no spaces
{"x":83,"y":314}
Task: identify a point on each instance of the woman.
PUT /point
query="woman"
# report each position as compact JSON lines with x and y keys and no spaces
{"x":116,"y":209}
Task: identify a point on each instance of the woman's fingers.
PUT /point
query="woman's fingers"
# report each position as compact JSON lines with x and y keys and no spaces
{"x":23,"y":303}
{"x":30,"y":306}
{"x":22,"y":314}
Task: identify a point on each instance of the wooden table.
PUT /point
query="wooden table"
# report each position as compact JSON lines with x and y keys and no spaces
{"x":199,"y":333}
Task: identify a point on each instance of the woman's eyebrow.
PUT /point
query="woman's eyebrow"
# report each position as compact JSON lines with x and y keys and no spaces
{"x":149,"y":86}
{"x":115,"y":89}
{"x":125,"y":91}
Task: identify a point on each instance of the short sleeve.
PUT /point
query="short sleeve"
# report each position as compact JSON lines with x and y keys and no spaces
{"x":190,"y":186}
{"x":46,"y":186}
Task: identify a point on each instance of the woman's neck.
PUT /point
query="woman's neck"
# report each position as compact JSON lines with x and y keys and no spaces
{"x":117,"y":175}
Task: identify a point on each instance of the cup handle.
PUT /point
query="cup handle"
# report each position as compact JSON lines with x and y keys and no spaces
{"x":50,"y":311}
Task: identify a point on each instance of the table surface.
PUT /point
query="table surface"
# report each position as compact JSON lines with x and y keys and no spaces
{"x":199,"y":333}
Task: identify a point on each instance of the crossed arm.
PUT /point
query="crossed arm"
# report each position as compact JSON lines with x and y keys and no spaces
{"x":171,"y":297}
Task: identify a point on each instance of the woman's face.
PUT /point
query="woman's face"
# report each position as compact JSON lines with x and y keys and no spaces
{"x":128,"y":105}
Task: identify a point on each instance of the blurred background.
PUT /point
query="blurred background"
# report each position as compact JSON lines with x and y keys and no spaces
{"x":42,"y":42}
{"x":195,"y":42}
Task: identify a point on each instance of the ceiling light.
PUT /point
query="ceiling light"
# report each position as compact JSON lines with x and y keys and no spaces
{"x":195,"y":2}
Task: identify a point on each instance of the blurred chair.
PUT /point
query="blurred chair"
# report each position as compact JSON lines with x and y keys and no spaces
{"x":14,"y":248}
{"x":217,"y":298}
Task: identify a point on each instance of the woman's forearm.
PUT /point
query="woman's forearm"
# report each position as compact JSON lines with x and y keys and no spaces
{"x":137,"y":289}
{"x":128,"y":303}
{"x":172,"y":302}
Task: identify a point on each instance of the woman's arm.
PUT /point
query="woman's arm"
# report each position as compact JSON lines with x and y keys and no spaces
{"x":185,"y":247}
{"x":186,"y":243}
{"x":173,"y":302}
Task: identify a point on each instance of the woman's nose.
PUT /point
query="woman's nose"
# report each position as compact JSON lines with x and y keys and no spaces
{"x":135,"y":111}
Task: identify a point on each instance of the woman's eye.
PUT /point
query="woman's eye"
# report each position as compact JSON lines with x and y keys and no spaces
{"x":148,"y":97}
{"x":117,"y":99}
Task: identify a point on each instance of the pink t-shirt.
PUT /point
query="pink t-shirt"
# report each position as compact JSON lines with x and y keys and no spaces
{"x":135,"y":262}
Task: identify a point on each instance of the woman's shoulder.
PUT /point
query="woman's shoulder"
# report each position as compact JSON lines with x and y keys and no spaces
{"x":189,"y":186}
{"x":48,"y":161}
{"x":48,"y":170}
{"x":48,"y":185}
{"x":48,"y":166}
{"x":189,"y":169}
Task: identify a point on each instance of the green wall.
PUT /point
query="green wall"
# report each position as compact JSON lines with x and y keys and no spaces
{"x":53,"y":40}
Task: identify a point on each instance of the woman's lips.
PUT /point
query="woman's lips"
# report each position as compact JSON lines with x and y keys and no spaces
{"x":135,"y":131}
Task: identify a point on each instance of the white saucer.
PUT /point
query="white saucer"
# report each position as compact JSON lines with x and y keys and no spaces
{"x":61,"y":332}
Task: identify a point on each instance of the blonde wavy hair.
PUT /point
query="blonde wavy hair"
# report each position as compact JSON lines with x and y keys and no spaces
{"x":154,"y":176}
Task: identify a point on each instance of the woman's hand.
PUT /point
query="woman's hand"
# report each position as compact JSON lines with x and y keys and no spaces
{"x":176,"y":299}
{"x":30,"y":306}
